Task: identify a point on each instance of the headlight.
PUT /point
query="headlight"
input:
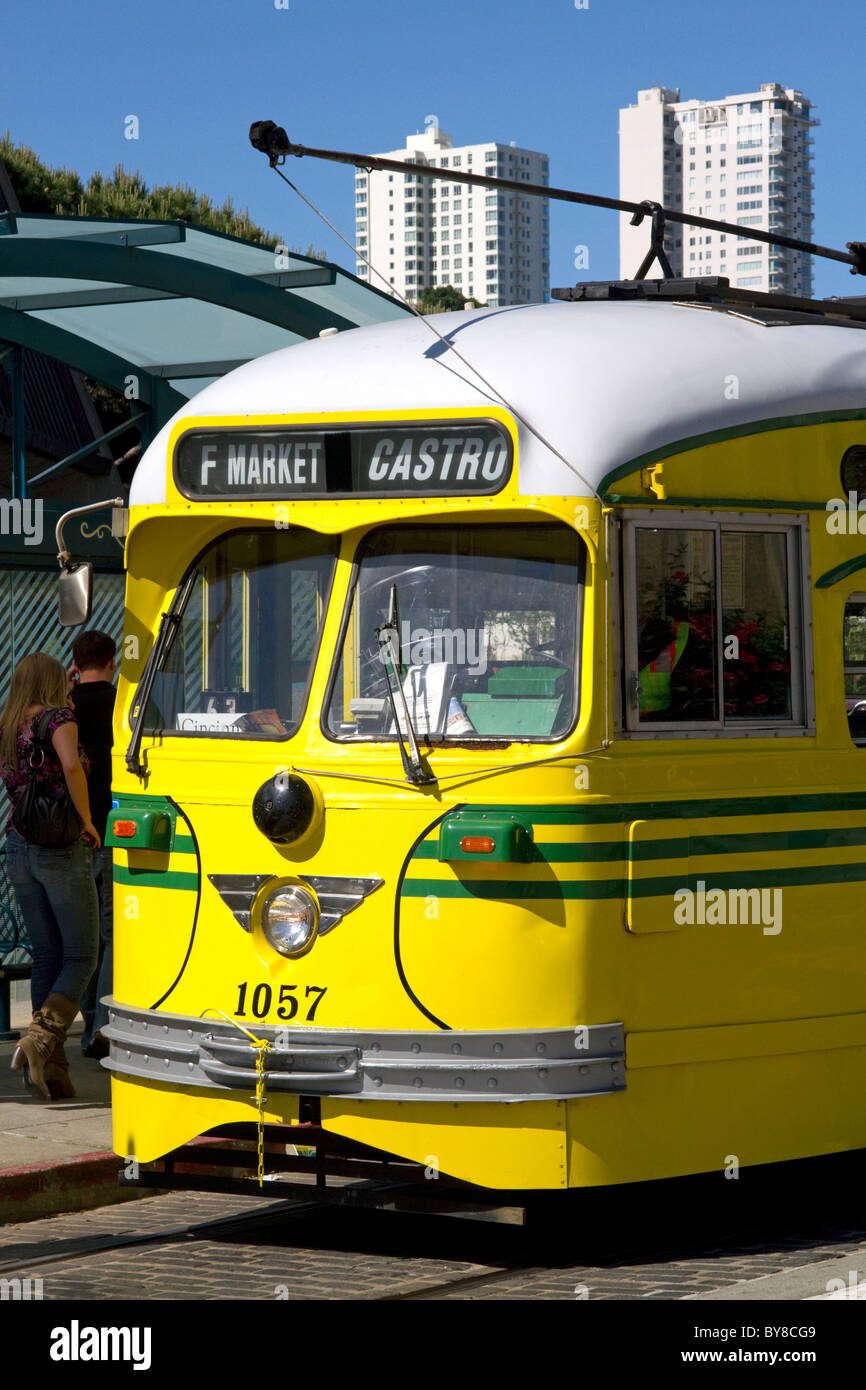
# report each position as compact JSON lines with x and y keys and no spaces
{"x":290,"y":919}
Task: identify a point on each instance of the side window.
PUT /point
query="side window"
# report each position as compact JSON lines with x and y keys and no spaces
{"x":712,"y":625}
{"x":854,"y":650}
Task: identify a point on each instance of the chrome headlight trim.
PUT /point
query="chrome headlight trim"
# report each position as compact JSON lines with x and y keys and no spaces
{"x":290,"y":919}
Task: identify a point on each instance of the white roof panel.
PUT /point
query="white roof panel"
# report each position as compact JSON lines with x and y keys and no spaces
{"x":604,"y":382}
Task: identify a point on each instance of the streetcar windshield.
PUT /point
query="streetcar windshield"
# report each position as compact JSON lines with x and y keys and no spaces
{"x":247,"y":631}
{"x":487,"y":634}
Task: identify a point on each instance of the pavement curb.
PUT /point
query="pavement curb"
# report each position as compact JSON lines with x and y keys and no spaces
{"x":59,"y":1185}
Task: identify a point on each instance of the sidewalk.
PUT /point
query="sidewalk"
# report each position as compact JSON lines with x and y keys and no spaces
{"x":55,"y":1156}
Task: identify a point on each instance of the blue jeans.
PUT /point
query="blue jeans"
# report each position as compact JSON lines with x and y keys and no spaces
{"x":57,"y":897}
{"x":93,"y":1011}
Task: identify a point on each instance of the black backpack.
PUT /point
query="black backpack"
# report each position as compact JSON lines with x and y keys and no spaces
{"x":39,"y":818}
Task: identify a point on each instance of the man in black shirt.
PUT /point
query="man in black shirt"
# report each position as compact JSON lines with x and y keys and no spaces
{"x":93,"y":693}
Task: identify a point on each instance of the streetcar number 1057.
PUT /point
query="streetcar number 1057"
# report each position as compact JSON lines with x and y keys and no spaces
{"x":288,"y":1000}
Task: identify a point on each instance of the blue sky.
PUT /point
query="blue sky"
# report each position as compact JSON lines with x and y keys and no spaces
{"x":362,"y":74}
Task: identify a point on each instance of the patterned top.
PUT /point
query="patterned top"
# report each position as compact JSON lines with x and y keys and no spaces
{"x":50,"y":773}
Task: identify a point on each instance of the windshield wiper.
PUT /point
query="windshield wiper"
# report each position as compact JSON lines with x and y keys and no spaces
{"x":159,"y":652}
{"x":388,"y":637}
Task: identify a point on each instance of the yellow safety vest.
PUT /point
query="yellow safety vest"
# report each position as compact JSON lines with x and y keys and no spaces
{"x":655,"y":678}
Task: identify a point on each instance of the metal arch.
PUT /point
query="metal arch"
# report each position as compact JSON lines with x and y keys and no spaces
{"x":91,"y":359}
{"x":183,"y":276}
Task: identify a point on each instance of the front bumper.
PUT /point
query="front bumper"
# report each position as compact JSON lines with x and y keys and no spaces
{"x":502,"y":1066}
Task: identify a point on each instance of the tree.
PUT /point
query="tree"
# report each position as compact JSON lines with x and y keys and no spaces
{"x":40,"y":189}
{"x":439,"y":299}
{"x":121,"y":196}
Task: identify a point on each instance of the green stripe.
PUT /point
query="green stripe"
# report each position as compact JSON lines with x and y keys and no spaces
{"x":701,"y":441}
{"x":183,"y":844}
{"x":607,"y":851}
{"x":505,"y":890}
{"x":147,"y":878}
{"x":760,"y":504}
{"x":501,"y":890}
{"x":800,"y":876}
{"x":604,"y":813}
{"x":842,"y":571}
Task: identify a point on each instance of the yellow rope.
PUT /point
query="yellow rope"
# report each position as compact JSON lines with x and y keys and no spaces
{"x":262,"y":1046}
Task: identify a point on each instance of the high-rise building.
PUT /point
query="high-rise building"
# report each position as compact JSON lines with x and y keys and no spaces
{"x":492,"y":245}
{"x":743,"y":159}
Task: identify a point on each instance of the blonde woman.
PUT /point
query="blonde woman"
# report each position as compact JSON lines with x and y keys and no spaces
{"x":54,"y":886}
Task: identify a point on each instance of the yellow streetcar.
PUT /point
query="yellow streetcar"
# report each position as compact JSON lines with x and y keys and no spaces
{"x":486,"y":800}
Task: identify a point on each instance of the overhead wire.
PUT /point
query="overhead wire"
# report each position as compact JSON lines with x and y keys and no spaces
{"x":518,"y":415}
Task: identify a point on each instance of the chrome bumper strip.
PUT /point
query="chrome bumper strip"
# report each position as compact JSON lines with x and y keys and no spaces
{"x":506,"y":1065}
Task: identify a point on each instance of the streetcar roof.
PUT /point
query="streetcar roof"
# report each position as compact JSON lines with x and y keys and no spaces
{"x":605,"y":383}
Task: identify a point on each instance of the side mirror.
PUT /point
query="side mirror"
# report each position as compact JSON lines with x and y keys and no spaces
{"x":76,"y":593}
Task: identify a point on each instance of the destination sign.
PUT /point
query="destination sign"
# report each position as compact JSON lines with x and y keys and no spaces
{"x":387,"y":461}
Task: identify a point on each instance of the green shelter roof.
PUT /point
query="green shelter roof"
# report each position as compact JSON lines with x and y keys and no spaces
{"x":173,"y":305}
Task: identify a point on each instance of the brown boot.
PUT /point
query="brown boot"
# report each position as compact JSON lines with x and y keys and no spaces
{"x":57,"y":1075}
{"x":49,"y":1026}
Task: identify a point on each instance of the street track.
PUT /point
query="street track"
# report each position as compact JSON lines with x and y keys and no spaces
{"x":668,"y":1240}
